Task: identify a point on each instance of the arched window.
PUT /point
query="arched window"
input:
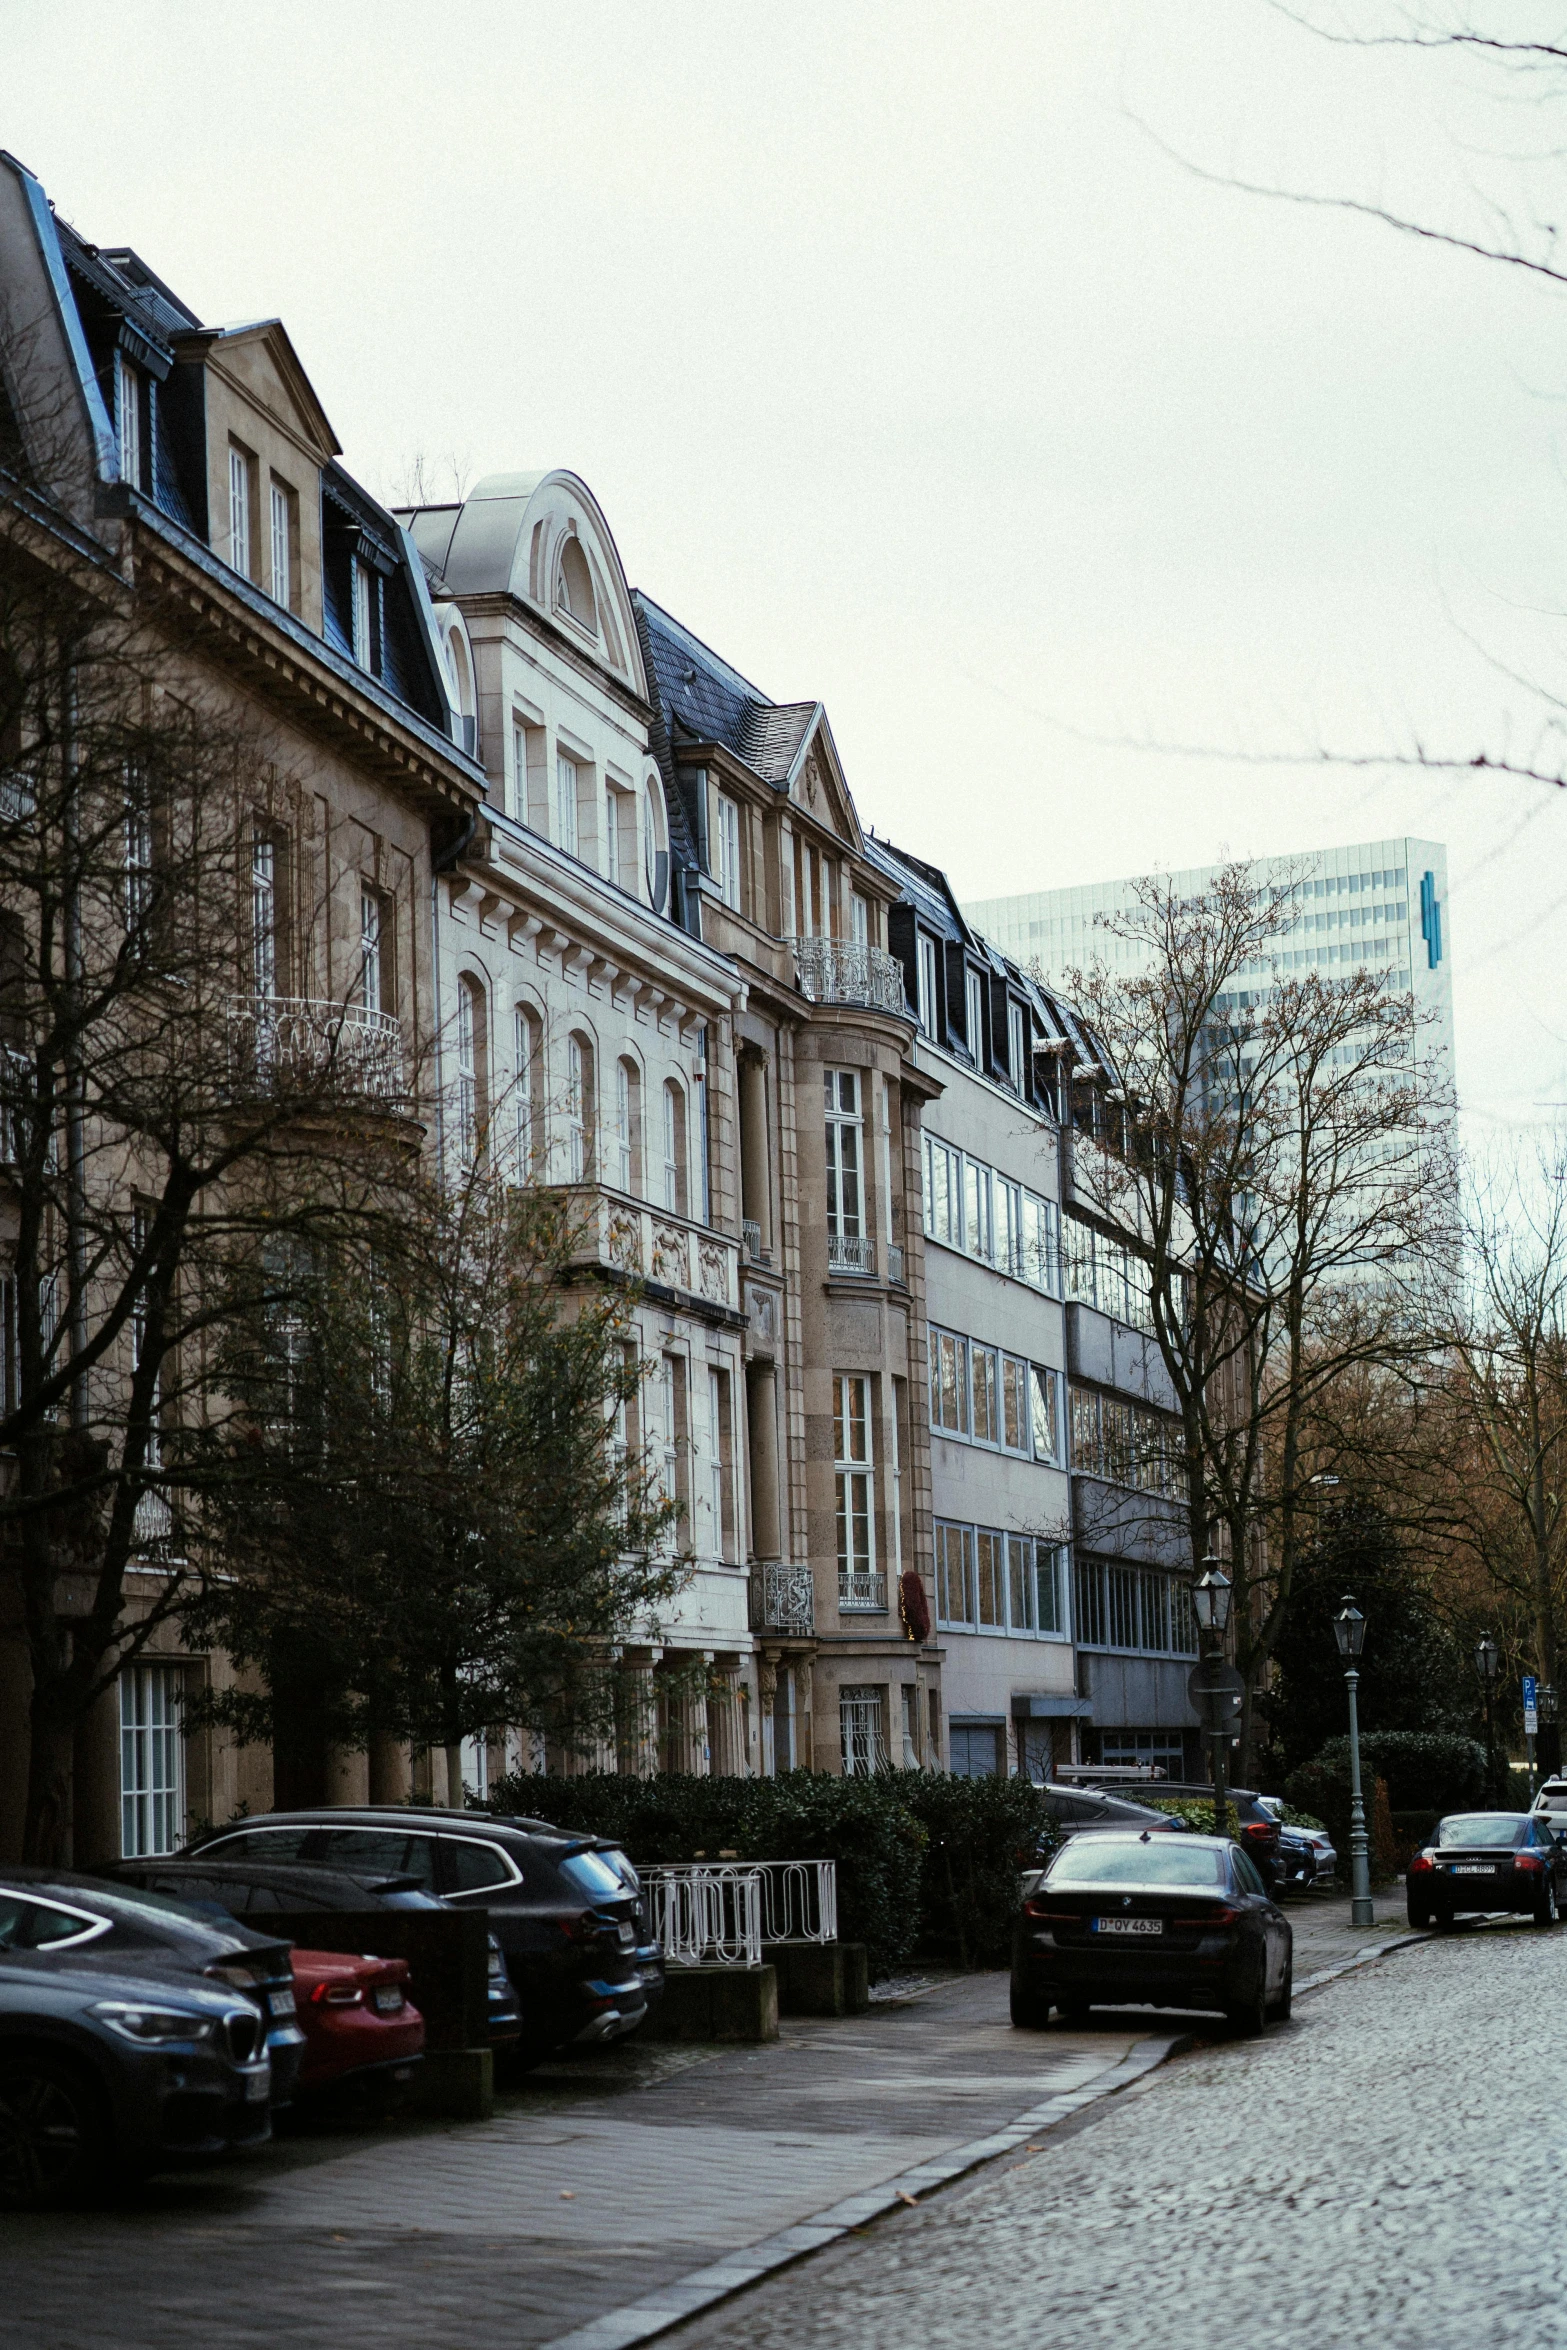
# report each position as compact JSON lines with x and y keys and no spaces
{"x":674,"y":1148}
{"x":574,"y":593}
{"x":628,"y":1126}
{"x":579,"y":1109}
{"x":524,"y":1093}
{"x":471,"y":1104}
{"x":655,"y":845}
{"x":460,"y":673}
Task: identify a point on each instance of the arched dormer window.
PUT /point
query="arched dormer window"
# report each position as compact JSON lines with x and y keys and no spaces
{"x":579,"y":1109}
{"x":460,"y":672}
{"x":574,"y":587}
{"x":675,"y":1168}
{"x":655,"y":844}
{"x":628,"y":1126}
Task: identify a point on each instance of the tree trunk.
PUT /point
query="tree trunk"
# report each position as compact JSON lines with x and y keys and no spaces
{"x":51,"y":1749}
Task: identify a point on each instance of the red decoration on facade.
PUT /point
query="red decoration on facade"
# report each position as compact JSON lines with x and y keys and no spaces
{"x":913,"y":1606}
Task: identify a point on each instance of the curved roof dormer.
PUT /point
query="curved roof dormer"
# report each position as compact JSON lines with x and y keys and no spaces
{"x":542,"y":538}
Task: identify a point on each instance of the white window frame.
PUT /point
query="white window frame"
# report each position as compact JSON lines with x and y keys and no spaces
{"x":364,"y":628}
{"x":677,"y":1173}
{"x":861,"y":1587}
{"x":127,"y":404}
{"x":239,"y":510}
{"x":925,"y":981}
{"x":859,"y":919}
{"x":862,"y":1723}
{"x":371,"y":989}
{"x":974,"y":1014}
{"x":578,"y":1109}
{"x":469,"y":1013}
{"x":628,"y":1115}
{"x":943,"y":1191}
{"x":263,"y":916}
{"x":152,"y":1760}
{"x":567,"y":775}
{"x":524,"y":1045}
{"x":728,"y":850}
{"x":1017,"y":1043}
{"x":845,"y":1154}
{"x":282,"y":546}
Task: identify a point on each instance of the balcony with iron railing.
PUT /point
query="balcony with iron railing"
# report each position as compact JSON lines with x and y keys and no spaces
{"x":783,"y":1599}
{"x":851,"y":1252}
{"x":17,"y":1081}
{"x":862,"y":1592}
{"x":287,"y":1041}
{"x":842,"y":971}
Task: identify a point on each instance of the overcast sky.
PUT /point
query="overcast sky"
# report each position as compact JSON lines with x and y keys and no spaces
{"x":914,"y":374}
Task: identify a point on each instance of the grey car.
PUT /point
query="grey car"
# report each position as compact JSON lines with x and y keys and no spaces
{"x":105,"y":2068}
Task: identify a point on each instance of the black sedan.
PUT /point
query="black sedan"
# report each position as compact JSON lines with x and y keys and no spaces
{"x":256,"y":1889}
{"x":1483,"y":1860}
{"x":104,"y":2062}
{"x":57,"y":1910}
{"x":567,"y":1916}
{"x":1151,"y":1921}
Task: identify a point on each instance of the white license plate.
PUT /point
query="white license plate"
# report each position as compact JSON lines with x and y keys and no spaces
{"x":388,"y":2001}
{"x":258,"y":2085}
{"x":1473,"y":1868}
{"x":1128,"y":1925}
{"x":628,"y":1935}
{"x":281,"y":2002}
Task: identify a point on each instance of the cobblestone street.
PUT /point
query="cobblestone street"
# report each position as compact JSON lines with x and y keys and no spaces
{"x":1386,"y":2169}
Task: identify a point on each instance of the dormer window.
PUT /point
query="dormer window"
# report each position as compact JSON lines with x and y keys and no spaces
{"x":283,"y":508}
{"x":367,"y":618}
{"x":975,"y":1002}
{"x":128,"y":416}
{"x":242,"y":490}
{"x":1017,"y":1045}
{"x":574,"y":587}
{"x":925,"y":978}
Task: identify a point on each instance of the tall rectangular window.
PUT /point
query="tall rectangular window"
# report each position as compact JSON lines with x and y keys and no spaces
{"x":1045,"y":1400}
{"x":282,"y":546}
{"x":264,"y":916}
{"x":240,"y":477}
{"x":677,"y":1446}
{"x":845,"y":1194}
{"x":1022,"y":1610}
{"x":859,"y":1585}
{"x":127,"y":402}
{"x":371,"y":993}
{"x":990,"y":1578}
{"x":978,"y":1227}
{"x":1008,"y":1201}
{"x":1017,"y":1045}
{"x":615,"y":844}
{"x":985,"y":1383}
{"x":1015,"y":1405}
{"x":524,"y":1052}
{"x":152,"y":1761}
{"x":974,"y":1004}
{"x":925,"y":980}
{"x":566,"y":803}
{"x":862,"y":1717}
{"x":728,"y":845}
{"x":943,"y":1192}
{"x":139,"y":872}
{"x":721,"y":1464}
{"x":859,"y":919}
{"x":954,"y":1574}
{"x":949,"y":1383}
{"x":367,"y":618}
{"x":468,"y":1013}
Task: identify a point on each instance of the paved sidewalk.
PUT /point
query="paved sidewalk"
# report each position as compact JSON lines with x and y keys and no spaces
{"x":601,"y":2181}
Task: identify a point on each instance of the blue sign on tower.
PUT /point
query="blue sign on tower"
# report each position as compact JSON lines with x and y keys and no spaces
{"x":1431,"y":919}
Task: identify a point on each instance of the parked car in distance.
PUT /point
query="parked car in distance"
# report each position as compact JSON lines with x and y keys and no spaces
{"x":1551,"y":1803}
{"x":647,"y":1952}
{"x":566,"y":1920}
{"x":151,"y":1933}
{"x":105,"y":2064}
{"x":1257,"y":1828}
{"x":1486,"y":1860}
{"x":252,"y":1890}
{"x":1158,"y":1921}
{"x":362,"y":2032}
{"x":1307,"y":1857}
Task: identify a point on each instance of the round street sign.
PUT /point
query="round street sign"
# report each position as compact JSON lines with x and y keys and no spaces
{"x":1217,"y":1692}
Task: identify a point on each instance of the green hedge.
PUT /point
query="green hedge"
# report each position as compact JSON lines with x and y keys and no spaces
{"x":926,"y":1862}
{"x":1425,"y":1770}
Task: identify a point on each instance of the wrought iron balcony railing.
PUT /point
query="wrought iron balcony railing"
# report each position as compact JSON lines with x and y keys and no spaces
{"x":783,"y":1598}
{"x":839,"y":971}
{"x":298,"y":1040}
{"x":862,"y":1593}
{"x":851,"y":1253}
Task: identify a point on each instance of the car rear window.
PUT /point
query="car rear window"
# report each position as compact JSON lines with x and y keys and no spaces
{"x":34,"y":1925}
{"x":590,"y":1873}
{"x":1108,"y":1860}
{"x":475,"y":1866}
{"x":1483,"y":1828}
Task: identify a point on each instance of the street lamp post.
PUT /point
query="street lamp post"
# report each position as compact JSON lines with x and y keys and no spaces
{"x":1486,"y":1658}
{"x":1349,"y":1630}
{"x":1548,"y":1751}
{"x":1211,"y":1595}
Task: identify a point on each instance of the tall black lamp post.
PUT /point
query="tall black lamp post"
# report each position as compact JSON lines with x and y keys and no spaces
{"x":1549,"y":1746}
{"x":1211,"y":1596}
{"x":1487,"y":1657}
{"x":1349,"y":1630}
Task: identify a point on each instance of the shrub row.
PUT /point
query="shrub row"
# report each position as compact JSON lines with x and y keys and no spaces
{"x":926,"y":1863}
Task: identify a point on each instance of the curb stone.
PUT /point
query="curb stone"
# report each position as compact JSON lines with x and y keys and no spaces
{"x":688,"y":2296}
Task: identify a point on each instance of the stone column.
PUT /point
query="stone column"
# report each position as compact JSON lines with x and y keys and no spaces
{"x":756,"y":1190}
{"x":761,"y":1413}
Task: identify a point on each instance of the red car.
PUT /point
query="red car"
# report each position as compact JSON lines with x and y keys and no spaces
{"x":358,"y":2023}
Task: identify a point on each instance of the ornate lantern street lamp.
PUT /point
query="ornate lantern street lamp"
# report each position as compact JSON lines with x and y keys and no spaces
{"x":1349,"y":1630}
{"x":1487,"y":1657}
{"x":1212,"y":1594}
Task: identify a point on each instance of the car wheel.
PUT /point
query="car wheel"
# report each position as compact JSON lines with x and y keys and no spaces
{"x":1249,"y":2016}
{"x":1547,"y":1910}
{"x":1418,"y":1914}
{"x":54,"y":2133}
{"x":1279,"y":2012}
{"x":1030,"y":2008}
{"x":1443,"y":1920}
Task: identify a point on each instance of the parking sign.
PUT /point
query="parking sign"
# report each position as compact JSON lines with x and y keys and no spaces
{"x":1531,"y":1705}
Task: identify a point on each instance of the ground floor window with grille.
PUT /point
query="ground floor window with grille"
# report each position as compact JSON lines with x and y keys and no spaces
{"x":862,"y":1717}
{"x":152,"y":1760}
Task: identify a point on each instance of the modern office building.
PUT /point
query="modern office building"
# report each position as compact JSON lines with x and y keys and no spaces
{"x":1379,"y":904}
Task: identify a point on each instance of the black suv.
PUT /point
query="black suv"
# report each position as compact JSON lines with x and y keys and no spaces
{"x":104,"y":2060}
{"x":566,"y":1910}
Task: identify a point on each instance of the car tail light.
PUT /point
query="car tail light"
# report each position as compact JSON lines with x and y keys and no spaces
{"x":1422,"y":1865}
{"x":1527,"y":1860}
{"x":1051,"y":1917}
{"x":1261,"y":1831}
{"x":581,"y":1926}
{"x":337,"y":1995}
{"x":1210,"y":1918}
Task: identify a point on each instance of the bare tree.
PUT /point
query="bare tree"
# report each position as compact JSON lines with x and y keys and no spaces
{"x":1267,"y":1148}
